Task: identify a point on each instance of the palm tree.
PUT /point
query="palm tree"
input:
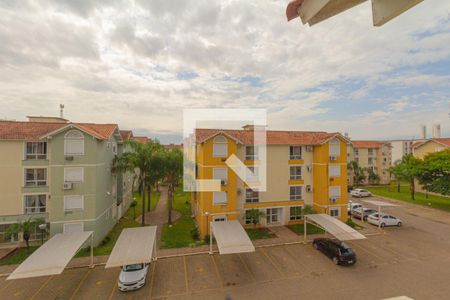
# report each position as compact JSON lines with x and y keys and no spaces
{"x":409,"y":169}
{"x":396,"y":171}
{"x":25,"y":227}
{"x":156,"y":171}
{"x":173,"y":171}
{"x":138,"y":161}
{"x":358,"y":172}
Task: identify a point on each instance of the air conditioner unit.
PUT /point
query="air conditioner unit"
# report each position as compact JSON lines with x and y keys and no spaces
{"x":223,"y":182}
{"x":309,"y":148}
{"x":68,"y":157}
{"x":308,"y":188}
{"x":333,"y":157}
{"x":68,"y":185}
{"x":333,"y":199}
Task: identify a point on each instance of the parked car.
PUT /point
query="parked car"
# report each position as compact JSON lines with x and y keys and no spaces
{"x":132,"y":277}
{"x":358,"y":212}
{"x":352,"y":206}
{"x":338,"y":251}
{"x":386,"y":220}
{"x":360,"y":193}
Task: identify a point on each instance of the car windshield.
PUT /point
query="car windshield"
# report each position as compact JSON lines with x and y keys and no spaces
{"x":135,"y":267}
{"x":345,"y":249}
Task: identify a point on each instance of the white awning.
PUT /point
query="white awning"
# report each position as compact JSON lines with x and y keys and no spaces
{"x":52,"y":257}
{"x":338,"y":229}
{"x":380,"y":203}
{"x":134,"y":246}
{"x":231,"y":237}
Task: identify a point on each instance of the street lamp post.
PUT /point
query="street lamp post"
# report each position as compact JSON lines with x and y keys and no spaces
{"x":42,"y":227}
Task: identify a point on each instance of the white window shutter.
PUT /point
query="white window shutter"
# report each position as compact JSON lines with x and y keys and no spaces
{"x":73,"y":174}
{"x":74,"y":147}
{"x":220,"y":173}
{"x":220,"y":150}
{"x":219,"y":197}
{"x":335,"y":191}
{"x":73,"y":202}
{"x":334,"y":171}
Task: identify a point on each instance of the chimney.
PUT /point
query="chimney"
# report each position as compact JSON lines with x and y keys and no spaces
{"x":423,"y":132}
{"x":436,"y":130}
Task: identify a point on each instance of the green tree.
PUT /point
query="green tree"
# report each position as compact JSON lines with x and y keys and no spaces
{"x":156,"y":168}
{"x":358,"y":172}
{"x":254,"y":215}
{"x":173,"y":171}
{"x":25,"y":227}
{"x":138,"y":161}
{"x":397,"y":172}
{"x":409,"y":169}
{"x":372,"y":176}
{"x":434,"y":172}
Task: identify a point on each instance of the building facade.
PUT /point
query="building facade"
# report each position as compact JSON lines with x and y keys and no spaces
{"x":303,"y":168}
{"x":373,"y":155}
{"x":60,"y":172}
{"x":400,"y":148}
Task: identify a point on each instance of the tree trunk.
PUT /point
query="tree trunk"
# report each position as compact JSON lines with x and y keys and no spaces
{"x":143,"y":202}
{"x":149,"y":193}
{"x":412,"y":187}
{"x":26,"y":237}
{"x":398,"y":186}
{"x":169,"y":195}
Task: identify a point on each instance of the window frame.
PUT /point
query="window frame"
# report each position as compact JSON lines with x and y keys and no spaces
{"x":76,"y":208}
{"x":296,"y":196}
{"x":296,"y":217}
{"x":338,"y":209}
{"x":82,"y":174}
{"x":219,"y":203}
{"x":68,"y":139}
{"x":334,"y":167}
{"x":279,"y":215}
{"x":251,"y":199}
{"x":334,"y":147}
{"x":35,"y":155}
{"x":292,"y":155}
{"x":254,"y":156}
{"x":295,"y":176}
{"x":30,"y":210}
{"x":35,"y":182}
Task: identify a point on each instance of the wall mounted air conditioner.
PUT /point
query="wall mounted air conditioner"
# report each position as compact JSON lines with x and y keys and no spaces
{"x":68,"y":185}
{"x":68,"y":157}
{"x":333,"y":199}
{"x":308,"y":188}
{"x":309,"y":148}
{"x":223,"y":182}
{"x":333,"y":157}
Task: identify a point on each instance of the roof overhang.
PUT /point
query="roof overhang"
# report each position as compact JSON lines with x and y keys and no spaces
{"x":380,"y":203}
{"x":220,"y":132}
{"x":231,"y":237}
{"x":338,"y":229}
{"x":316,"y":11}
{"x":70,"y":126}
{"x":52,"y":257}
{"x":134,"y":246}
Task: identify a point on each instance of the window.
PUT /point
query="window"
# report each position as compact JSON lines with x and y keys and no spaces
{"x":357,"y":159}
{"x":251,"y":196}
{"x":253,"y":174}
{"x":114,"y":148}
{"x":273,"y":215}
{"x":335,"y":147}
{"x":334,"y":170}
{"x":295,"y":152}
{"x":73,"y":227}
{"x":73,"y":174}
{"x":295,"y":213}
{"x":248,"y":219}
{"x":74,"y":143}
{"x":36,"y":150}
{"x":220,"y":198}
{"x":4,"y":236}
{"x":220,"y":146}
{"x":35,"y":177}
{"x":295,"y":192}
{"x":334,"y":191}
{"x":370,"y":151}
{"x":356,"y":151}
{"x":251,"y":153}
{"x":73,"y":202}
{"x":35,"y":204}
{"x":220,"y":173}
{"x":335,"y":212}
{"x":370,"y":160}
{"x":295,"y":172}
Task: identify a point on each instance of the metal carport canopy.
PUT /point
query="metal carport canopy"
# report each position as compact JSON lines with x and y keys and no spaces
{"x":134,"y":246}
{"x":231,"y":237}
{"x":53,"y":256}
{"x":338,"y":229}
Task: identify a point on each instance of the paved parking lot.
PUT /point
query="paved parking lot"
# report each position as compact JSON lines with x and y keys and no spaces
{"x":413,"y":260}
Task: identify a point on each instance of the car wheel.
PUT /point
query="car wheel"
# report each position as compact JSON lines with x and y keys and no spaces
{"x":399,"y":224}
{"x":382,"y":225}
{"x":315,"y":246}
{"x":335,"y":260}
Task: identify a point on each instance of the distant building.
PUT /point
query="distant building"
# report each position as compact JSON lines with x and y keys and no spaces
{"x":169,"y":147}
{"x":422,"y":148}
{"x":400,"y":148}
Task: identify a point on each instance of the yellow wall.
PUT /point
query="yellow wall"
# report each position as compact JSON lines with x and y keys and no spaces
{"x":11,"y":177}
{"x":429,"y":147}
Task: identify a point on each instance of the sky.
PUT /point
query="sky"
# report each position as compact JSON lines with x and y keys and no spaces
{"x":140,"y":63}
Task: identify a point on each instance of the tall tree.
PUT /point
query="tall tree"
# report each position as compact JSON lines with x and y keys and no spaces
{"x":25,"y":227}
{"x":156,"y":171}
{"x":397,"y":172}
{"x":434,"y":172}
{"x":409,"y":169}
{"x":173,"y":171}
{"x":358,"y":172}
{"x":372,"y":177}
{"x":137,"y":161}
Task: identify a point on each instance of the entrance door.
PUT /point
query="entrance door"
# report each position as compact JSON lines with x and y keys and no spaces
{"x":273,"y":216}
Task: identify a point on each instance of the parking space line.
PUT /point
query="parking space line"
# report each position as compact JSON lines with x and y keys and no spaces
{"x":247,"y":267}
{"x":295,"y":257}
{"x":81,"y":282}
{"x":185,"y":274}
{"x":151,"y":280}
{"x":113,"y":290}
{"x":272,"y":262}
{"x":6,"y":285}
{"x":216,"y":270}
{"x":41,"y":287}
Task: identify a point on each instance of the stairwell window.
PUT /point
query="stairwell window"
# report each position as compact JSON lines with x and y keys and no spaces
{"x":295,"y":192}
{"x":335,"y":212}
{"x":334,"y":170}
{"x":220,"y":146}
{"x":220,"y":198}
{"x":251,"y":153}
{"x":35,"y":204}
{"x":36,"y":150}
{"x":295,"y":173}
{"x":251,"y":196}
{"x":35,"y":177}
{"x":334,"y":147}
{"x":74,"y":143}
{"x":295,"y":152}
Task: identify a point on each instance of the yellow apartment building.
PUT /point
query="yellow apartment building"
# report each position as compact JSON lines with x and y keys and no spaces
{"x":421,"y":149}
{"x":373,"y":155}
{"x":303,"y":168}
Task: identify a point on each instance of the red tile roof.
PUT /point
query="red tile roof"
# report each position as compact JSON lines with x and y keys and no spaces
{"x":291,"y":9}
{"x":126,"y":134}
{"x":273,"y":137}
{"x":141,"y":139}
{"x":13,"y":130}
{"x":442,"y":141}
{"x":367,"y":144}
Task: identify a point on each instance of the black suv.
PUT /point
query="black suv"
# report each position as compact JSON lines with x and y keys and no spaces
{"x":338,"y":251}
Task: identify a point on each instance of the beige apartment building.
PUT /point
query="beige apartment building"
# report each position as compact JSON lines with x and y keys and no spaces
{"x":375,"y":155}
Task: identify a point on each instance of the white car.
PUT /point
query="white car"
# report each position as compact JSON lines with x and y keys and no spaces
{"x":360,"y":193}
{"x":359,"y":214}
{"x":352,"y":206}
{"x":132,"y":277}
{"x":386,"y":220}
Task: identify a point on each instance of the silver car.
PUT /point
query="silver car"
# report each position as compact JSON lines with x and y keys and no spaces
{"x":360,"y":193}
{"x":132,"y":277}
{"x":358,"y":213}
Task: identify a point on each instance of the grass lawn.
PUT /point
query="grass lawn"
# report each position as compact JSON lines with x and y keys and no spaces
{"x":19,"y":256}
{"x":310,"y":229}
{"x":259,"y":233}
{"x":179,"y":235}
{"x":438,"y":202}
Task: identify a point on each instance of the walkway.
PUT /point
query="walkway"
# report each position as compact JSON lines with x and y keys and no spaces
{"x":159,"y":216}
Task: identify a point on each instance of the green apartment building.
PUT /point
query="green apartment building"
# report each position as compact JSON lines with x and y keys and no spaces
{"x":60,"y":172}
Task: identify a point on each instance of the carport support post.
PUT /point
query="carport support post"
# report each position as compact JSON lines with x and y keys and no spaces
{"x":379,"y":216}
{"x":304,"y":230}
{"x":210,"y":238}
{"x":92,"y":250}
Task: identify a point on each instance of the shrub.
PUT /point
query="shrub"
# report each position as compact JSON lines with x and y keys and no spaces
{"x":195,"y":234}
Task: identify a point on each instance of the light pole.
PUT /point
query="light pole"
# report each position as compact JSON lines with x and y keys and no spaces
{"x":42,"y":227}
